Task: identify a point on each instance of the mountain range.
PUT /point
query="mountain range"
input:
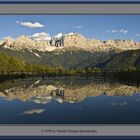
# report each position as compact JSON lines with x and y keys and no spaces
{"x":73,"y":51}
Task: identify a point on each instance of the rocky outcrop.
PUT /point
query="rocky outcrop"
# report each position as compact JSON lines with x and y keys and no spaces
{"x":78,"y":40}
{"x":70,"y":40}
{"x":24,"y":42}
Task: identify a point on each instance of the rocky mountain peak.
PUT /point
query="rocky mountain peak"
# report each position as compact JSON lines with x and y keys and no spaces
{"x":23,"y":38}
{"x":67,"y":41}
{"x":23,"y":42}
{"x":8,"y":40}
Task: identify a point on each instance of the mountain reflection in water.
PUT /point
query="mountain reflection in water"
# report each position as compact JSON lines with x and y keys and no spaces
{"x":48,"y":101}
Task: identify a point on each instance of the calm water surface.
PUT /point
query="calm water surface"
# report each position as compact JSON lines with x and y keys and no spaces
{"x":68,"y":101}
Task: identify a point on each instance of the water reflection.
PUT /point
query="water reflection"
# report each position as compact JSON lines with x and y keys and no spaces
{"x":118,"y":103}
{"x":33,"y":111}
{"x":62,"y":90}
{"x":72,"y":100}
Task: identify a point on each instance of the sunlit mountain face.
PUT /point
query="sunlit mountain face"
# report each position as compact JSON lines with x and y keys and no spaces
{"x":39,"y":101}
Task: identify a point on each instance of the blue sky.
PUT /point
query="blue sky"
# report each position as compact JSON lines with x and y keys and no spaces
{"x":101,"y":27}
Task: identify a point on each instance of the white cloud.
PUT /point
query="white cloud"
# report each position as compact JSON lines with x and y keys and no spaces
{"x":124,"y":31}
{"x":41,"y":36}
{"x":138,"y":35}
{"x":59,"y":35}
{"x":78,"y":27}
{"x":30,"y":24}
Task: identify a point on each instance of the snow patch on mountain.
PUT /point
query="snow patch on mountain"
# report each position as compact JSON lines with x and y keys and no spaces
{"x":36,"y":54}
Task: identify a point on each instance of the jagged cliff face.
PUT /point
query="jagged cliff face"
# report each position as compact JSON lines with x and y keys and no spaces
{"x":68,"y":40}
{"x":24,"y":42}
{"x":66,"y":92}
{"x":78,"y":40}
{"x":66,"y":50}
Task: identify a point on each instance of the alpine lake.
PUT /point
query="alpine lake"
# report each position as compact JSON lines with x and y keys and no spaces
{"x":69,"y":100}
